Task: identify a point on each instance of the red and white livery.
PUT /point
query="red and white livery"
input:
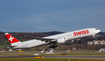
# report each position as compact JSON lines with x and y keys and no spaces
{"x":59,"y":38}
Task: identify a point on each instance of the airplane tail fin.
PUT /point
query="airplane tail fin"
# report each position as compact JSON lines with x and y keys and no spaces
{"x":11,"y":38}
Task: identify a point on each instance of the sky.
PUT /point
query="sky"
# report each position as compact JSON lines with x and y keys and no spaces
{"x":51,"y":15}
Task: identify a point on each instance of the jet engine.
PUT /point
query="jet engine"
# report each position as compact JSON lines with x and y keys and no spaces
{"x":61,"y":40}
{"x":54,"y":43}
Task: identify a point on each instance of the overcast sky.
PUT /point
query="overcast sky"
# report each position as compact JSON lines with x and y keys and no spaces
{"x":51,"y":15}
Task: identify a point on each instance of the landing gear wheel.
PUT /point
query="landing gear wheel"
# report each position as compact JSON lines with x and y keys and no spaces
{"x":52,"y":47}
{"x":50,"y":51}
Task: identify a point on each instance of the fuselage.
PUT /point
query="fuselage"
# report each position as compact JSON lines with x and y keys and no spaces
{"x":60,"y":38}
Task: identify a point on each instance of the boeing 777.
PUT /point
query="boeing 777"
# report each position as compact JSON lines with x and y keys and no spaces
{"x":53,"y":40}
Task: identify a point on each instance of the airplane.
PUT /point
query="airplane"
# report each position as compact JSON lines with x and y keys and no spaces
{"x":52,"y":40}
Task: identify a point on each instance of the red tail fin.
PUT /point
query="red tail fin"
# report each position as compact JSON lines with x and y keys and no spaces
{"x":11,"y":38}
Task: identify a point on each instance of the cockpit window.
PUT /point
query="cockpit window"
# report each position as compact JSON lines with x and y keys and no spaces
{"x":96,"y":29}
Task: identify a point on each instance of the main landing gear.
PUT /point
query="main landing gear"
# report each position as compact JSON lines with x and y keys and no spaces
{"x":51,"y":48}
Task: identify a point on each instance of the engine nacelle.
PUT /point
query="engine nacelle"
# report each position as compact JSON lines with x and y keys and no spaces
{"x":61,"y":40}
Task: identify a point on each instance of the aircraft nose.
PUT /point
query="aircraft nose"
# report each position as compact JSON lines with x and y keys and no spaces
{"x":98,"y":30}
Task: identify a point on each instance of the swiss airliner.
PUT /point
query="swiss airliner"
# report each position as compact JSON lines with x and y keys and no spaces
{"x":52,"y":40}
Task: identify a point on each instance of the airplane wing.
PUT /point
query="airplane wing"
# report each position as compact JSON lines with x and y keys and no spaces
{"x":43,"y":39}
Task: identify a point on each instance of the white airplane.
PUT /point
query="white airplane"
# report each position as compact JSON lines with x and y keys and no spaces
{"x":53,"y":40}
